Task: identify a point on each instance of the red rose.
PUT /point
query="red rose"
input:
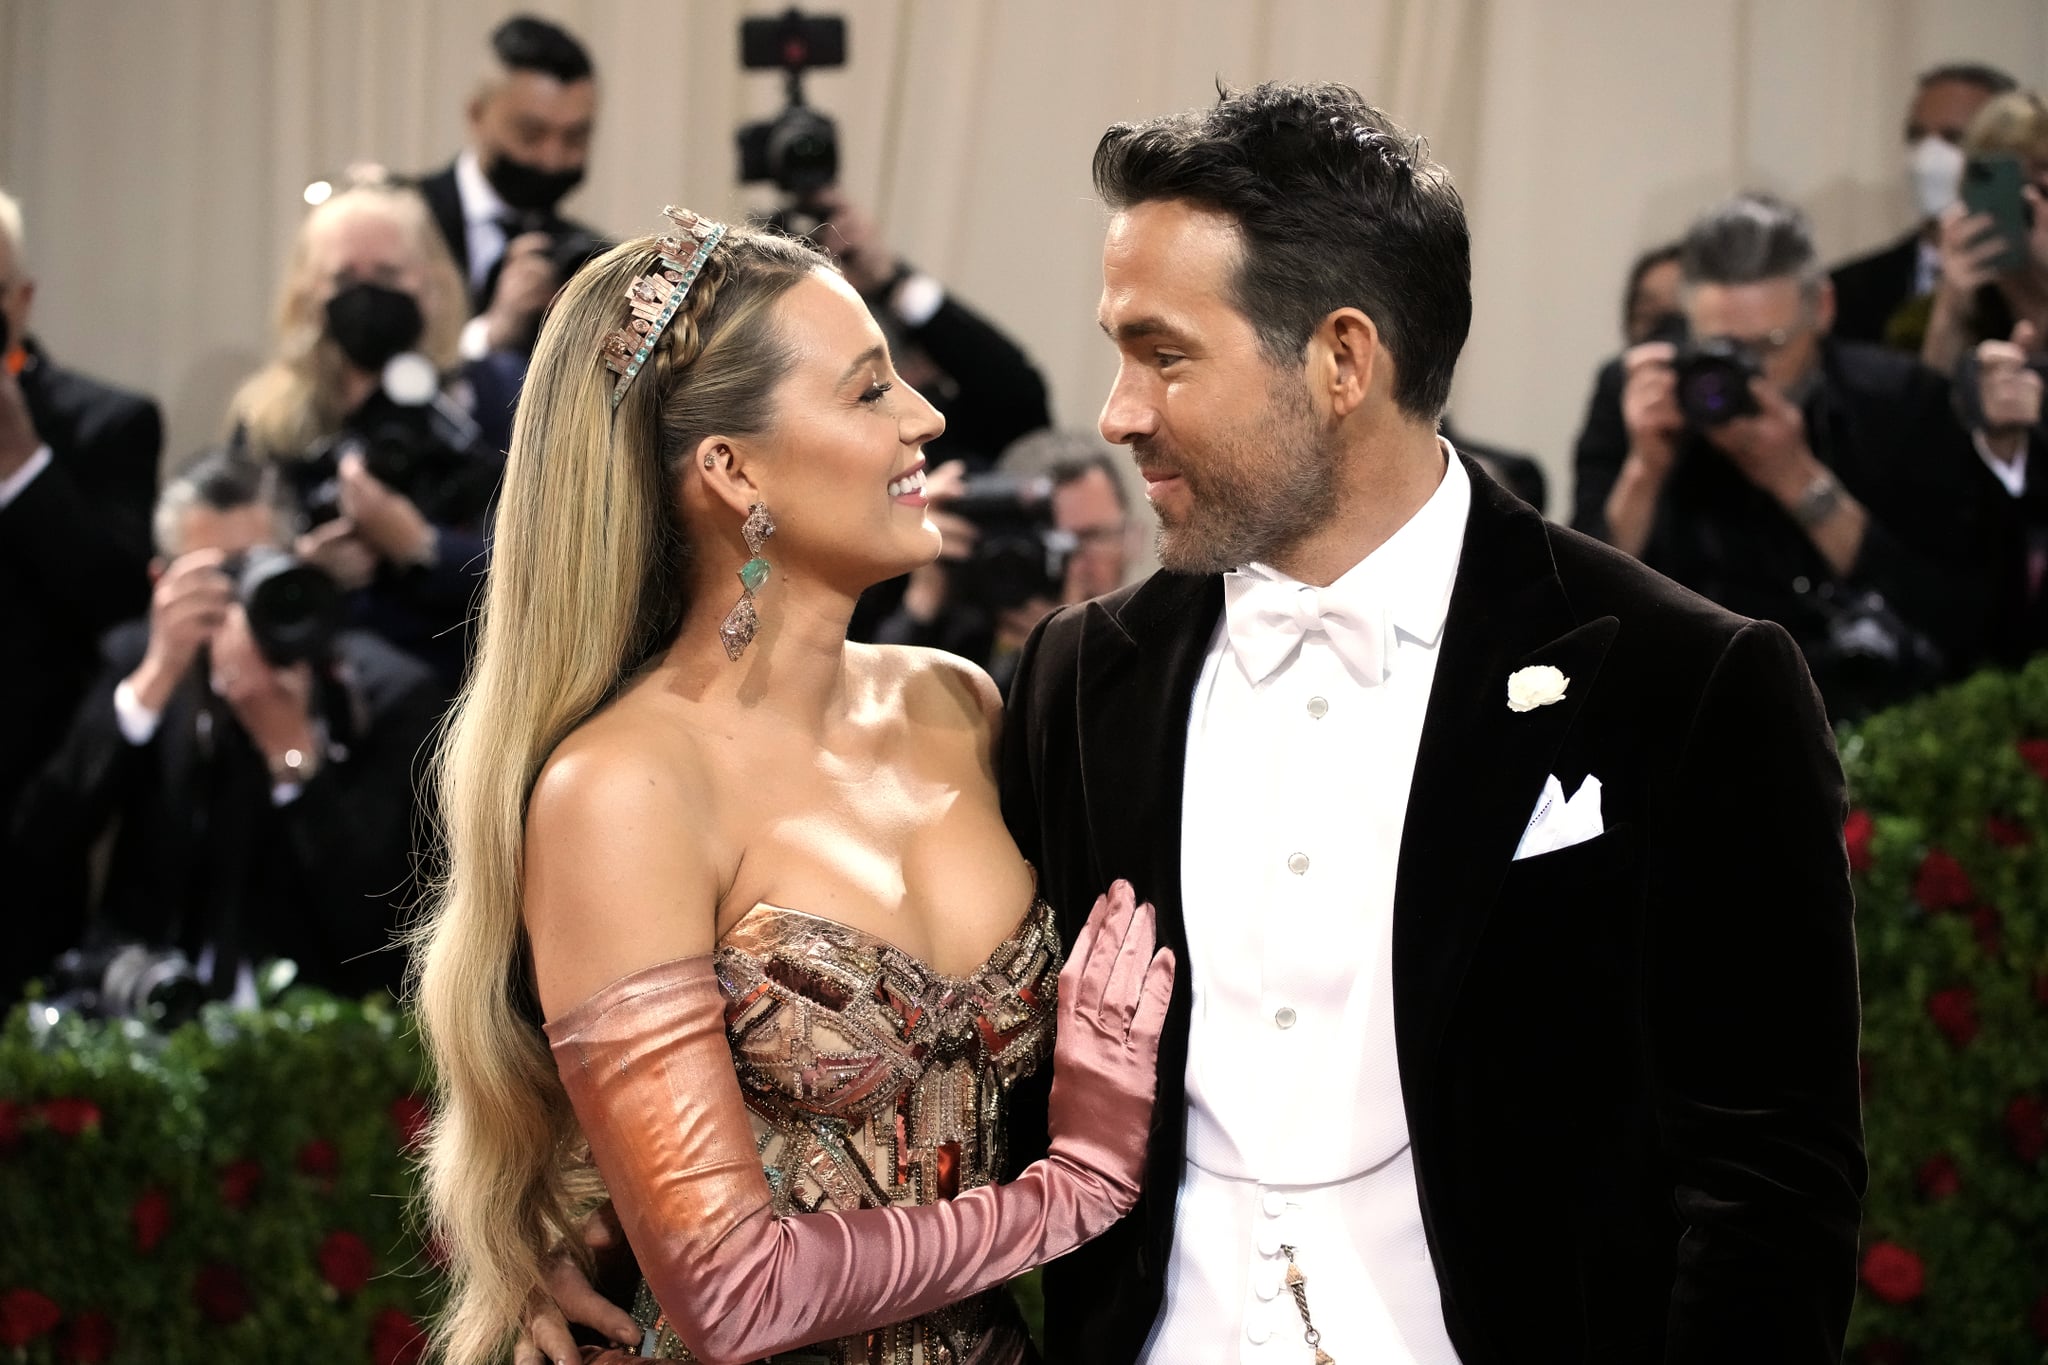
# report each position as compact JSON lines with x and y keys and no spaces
{"x":2034,"y":753}
{"x":151,"y":1216}
{"x":69,"y":1115}
{"x":10,"y":1126}
{"x":2026,"y":1128}
{"x":1954,"y":1012}
{"x":24,"y":1316}
{"x":1941,"y":884}
{"x":396,"y":1339}
{"x":345,"y":1262}
{"x":2007,"y":833}
{"x":88,"y":1339}
{"x":1984,"y":924}
{"x":239,"y":1181}
{"x":1938,"y":1178}
{"x":1856,"y":835}
{"x":1893,"y":1274}
{"x":319,"y":1159}
{"x":409,"y":1114}
{"x":220,"y":1294}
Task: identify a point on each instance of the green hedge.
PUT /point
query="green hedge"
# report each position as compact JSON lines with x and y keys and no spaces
{"x":237,"y":1191}
{"x":1948,"y":841}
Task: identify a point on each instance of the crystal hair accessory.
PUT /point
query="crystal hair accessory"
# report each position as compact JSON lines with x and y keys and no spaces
{"x":653,"y":298}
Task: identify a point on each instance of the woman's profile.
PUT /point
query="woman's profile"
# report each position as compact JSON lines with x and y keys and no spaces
{"x":730,"y":929}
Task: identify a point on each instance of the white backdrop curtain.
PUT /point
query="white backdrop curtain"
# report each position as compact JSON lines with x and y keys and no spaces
{"x":159,"y":147}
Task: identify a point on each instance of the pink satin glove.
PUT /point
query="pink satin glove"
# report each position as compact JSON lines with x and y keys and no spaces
{"x":648,"y":1070}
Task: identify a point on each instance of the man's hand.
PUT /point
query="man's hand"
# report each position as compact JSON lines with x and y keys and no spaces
{"x":567,"y":1296}
{"x":1649,"y":405}
{"x":2008,"y":391}
{"x":384,"y":519}
{"x":335,"y":548}
{"x":526,"y":281}
{"x":1769,"y":447}
{"x":273,"y":705}
{"x":189,"y":603}
{"x":18,"y":439}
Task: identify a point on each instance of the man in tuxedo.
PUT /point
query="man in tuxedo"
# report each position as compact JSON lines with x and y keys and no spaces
{"x":1883,"y":297}
{"x":78,"y":465}
{"x":1517,"y":1018}
{"x":531,"y":119}
{"x":260,"y":806}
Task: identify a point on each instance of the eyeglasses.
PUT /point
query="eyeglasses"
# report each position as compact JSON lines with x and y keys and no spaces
{"x":1773,"y":341}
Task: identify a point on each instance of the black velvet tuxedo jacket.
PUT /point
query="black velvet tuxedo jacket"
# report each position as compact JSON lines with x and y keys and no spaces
{"x":1628,"y":1066}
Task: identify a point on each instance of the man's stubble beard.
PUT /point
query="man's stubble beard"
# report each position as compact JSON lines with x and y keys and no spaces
{"x":1261,"y":489}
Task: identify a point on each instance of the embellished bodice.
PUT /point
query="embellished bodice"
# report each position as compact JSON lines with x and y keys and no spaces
{"x":871,"y":1079}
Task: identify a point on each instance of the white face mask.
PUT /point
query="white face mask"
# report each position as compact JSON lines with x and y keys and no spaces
{"x":1935,"y":166}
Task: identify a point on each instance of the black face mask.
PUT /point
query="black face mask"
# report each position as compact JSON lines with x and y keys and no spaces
{"x":372,"y":323}
{"x":526,"y":186}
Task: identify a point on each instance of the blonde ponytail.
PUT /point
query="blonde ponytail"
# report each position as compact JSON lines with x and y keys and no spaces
{"x":587,"y":582}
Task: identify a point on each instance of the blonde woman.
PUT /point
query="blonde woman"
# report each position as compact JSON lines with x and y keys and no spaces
{"x":364,"y":380}
{"x":753,"y":878}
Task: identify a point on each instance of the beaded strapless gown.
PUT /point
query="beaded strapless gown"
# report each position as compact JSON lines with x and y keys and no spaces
{"x":870,"y":1080}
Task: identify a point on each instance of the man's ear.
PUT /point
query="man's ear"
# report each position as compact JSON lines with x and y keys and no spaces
{"x":722,"y":468}
{"x":157,"y":565}
{"x":1349,"y":353}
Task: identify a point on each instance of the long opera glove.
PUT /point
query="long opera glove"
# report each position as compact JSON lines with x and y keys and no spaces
{"x":649,"y":1071}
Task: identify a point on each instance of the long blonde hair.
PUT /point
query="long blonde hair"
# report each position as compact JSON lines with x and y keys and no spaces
{"x":588,"y":580}
{"x":294,"y":400}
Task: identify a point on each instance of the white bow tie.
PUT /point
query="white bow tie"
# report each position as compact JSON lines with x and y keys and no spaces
{"x":1266,"y":619}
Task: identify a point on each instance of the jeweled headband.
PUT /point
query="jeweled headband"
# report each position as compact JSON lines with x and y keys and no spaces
{"x":654,"y":298}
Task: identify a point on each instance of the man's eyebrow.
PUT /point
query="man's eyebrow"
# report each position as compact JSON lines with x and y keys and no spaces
{"x":1135,"y":329}
{"x":864,"y":359}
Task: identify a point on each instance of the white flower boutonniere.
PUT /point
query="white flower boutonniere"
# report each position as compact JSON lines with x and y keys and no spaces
{"x":1529,"y":688}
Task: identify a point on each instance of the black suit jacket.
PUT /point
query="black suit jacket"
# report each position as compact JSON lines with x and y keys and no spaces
{"x":1886,"y":427}
{"x":201,"y":855}
{"x":1629,"y":1066}
{"x":444,"y":199}
{"x":74,"y":555}
{"x":1870,"y":289}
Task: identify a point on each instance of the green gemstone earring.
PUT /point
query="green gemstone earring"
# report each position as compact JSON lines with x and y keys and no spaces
{"x":742,"y":621}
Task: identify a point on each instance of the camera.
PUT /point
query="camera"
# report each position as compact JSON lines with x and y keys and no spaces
{"x":1019,"y":553}
{"x":432,"y":453}
{"x":156,"y":986}
{"x":293,"y":607}
{"x":798,"y":149}
{"x":1713,"y":375}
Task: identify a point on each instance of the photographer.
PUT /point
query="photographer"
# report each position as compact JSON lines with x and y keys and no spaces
{"x":1017,"y":546}
{"x":254,"y":766}
{"x":382,"y":445}
{"x":77,"y":475}
{"x":982,"y":381}
{"x":531,"y":118}
{"x":1823,"y":485}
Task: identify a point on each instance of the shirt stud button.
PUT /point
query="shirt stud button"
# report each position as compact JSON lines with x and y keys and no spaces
{"x":1258,"y":1334}
{"x":1318,"y":708}
{"x":1297,"y":863}
{"x":1269,"y":1242}
{"x":1284,"y":1016}
{"x":1273,"y":1205}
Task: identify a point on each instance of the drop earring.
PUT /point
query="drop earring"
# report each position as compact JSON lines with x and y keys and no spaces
{"x":741,"y":623}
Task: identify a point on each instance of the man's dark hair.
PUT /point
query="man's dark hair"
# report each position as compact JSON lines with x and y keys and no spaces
{"x":221,"y":479}
{"x":1749,"y":238}
{"x":525,"y":43}
{"x":1075,"y":469}
{"x":1643,"y":265}
{"x":1338,"y":207}
{"x":1989,"y":79}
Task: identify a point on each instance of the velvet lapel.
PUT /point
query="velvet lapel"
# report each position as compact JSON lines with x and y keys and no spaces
{"x":1138,"y":667}
{"x":1480,"y":767}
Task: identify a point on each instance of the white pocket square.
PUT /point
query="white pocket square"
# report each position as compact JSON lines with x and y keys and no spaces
{"x":1558,"y":823}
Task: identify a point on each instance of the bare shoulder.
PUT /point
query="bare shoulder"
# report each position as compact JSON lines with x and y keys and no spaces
{"x":938,"y":688}
{"x":618,"y":871}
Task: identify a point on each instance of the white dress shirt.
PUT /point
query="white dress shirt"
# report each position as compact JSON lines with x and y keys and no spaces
{"x":483,"y":226}
{"x":1299,"y":759}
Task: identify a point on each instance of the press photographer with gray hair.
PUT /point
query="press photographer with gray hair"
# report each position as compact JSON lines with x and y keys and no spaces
{"x":1822,"y":484}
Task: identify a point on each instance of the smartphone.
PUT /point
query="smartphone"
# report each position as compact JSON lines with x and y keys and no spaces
{"x":793,"y":41}
{"x":1991,"y":186}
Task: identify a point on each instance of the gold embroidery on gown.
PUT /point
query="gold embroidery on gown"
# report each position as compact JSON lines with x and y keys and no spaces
{"x":870,"y":1080}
